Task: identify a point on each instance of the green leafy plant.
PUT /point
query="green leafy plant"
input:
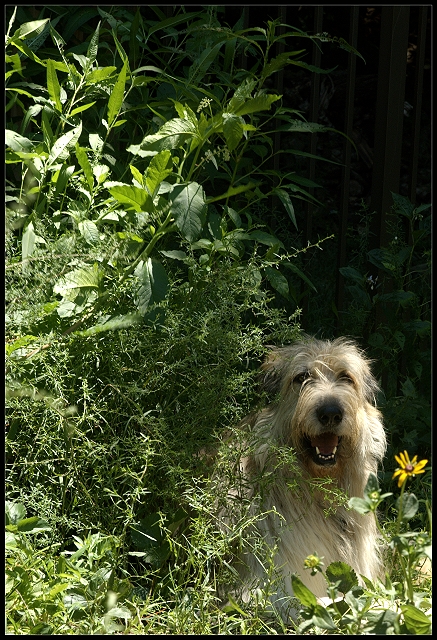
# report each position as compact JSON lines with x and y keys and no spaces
{"x":389,"y":607}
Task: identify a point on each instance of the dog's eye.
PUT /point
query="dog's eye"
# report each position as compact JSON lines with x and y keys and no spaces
{"x":344,"y":377}
{"x":300,"y":379}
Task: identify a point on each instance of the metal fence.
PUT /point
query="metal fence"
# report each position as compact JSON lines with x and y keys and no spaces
{"x":396,"y":43}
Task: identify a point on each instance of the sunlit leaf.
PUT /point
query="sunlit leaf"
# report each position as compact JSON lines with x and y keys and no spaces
{"x":116,"y":98}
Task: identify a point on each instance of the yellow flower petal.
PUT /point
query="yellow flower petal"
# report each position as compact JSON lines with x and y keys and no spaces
{"x":419,"y":466}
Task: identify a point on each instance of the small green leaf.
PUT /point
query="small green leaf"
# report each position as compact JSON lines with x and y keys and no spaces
{"x":86,"y":278}
{"x":116,"y":98}
{"x":340,"y":571}
{"x":136,"y":198}
{"x":265,"y":238}
{"x":84,"y":163}
{"x":278,"y":281}
{"x":159,"y":168}
{"x":416,"y":621}
{"x":17,"y":142}
{"x":232,"y":191}
{"x":14,"y":512}
{"x":189,"y":209}
{"x":137,"y":175}
{"x":89,"y":231}
{"x":253,"y":105}
{"x":286,"y":201}
{"x":153,"y":284}
{"x":304,"y":595}
{"x":98,"y":75}
{"x":322,"y":618}
{"x":93,"y":48}
{"x":84,"y":107}
{"x":53,"y":85}
{"x":359,"y":505}
{"x":28,"y":241}
{"x":60,"y":149}
{"x":171,"y":135}
{"x":232,"y":130}
{"x":408,"y":506}
{"x":35,"y":27}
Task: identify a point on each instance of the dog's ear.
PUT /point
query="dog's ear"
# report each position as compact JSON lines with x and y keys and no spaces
{"x":271,"y":373}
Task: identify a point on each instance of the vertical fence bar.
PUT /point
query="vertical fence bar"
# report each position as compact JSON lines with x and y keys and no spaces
{"x":417,"y":101}
{"x":345,"y":180}
{"x":389,"y":114}
{"x":313,"y":115}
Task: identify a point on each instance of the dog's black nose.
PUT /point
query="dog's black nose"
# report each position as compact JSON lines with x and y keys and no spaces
{"x":330,"y":414}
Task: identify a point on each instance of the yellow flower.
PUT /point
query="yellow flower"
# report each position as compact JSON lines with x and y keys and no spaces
{"x":408,"y":467}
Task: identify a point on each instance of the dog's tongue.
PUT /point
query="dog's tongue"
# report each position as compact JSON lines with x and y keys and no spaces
{"x":326,"y":443}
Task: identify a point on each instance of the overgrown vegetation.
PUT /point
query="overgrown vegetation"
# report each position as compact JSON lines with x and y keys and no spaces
{"x":143,"y":283}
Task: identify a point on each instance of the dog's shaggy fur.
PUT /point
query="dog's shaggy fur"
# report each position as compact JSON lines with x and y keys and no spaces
{"x":325,"y":410}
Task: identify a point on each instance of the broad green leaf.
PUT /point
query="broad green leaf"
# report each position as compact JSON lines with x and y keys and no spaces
{"x":153,"y":284}
{"x":304,"y":595}
{"x":53,"y":85}
{"x":84,"y":163}
{"x":278,"y":281}
{"x":89,"y":231}
{"x":17,"y":142}
{"x":171,"y":135}
{"x":253,"y":105}
{"x":60,"y":149}
{"x":134,"y":197}
{"x":286,"y":201}
{"x":85,"y":278}
{"x":232,"y":130}
{"x":189,"y":209}
{"x":116,"y":98}
{"x":416,"y":621}
{"x":159,"y":168}
{"x":28,"y":241}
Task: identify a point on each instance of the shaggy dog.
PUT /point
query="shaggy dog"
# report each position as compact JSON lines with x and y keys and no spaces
{"x":324,"y":410}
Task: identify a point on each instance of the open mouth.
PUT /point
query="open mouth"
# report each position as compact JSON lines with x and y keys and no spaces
{"x":324,"y":448}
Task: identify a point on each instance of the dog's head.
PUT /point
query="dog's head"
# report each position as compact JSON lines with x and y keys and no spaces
{"x":324,"y":404}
